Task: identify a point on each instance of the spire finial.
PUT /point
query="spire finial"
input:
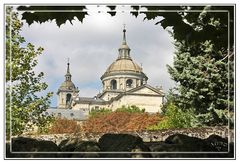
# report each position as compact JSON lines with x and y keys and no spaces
{"x":68,"y":66}
{"x":68,"y":75}
{"x":124,"y":34}
{"x":124,"y":50}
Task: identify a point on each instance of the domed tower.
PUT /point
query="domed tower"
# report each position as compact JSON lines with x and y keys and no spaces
{"x":66,"y":91}
{"x":123,"y":74}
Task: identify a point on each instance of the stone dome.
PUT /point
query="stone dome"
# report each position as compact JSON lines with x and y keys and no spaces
{"x":123,"y":74}
{"x":123,"y":65}
{"x":66,"y":85}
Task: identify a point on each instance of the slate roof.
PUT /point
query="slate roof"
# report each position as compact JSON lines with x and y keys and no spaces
{"x":147,"y":86}
{"x":98,"y":100}
{"x":89,"y":100}
{"x":68,"y":114}
{"x":138,"y":88}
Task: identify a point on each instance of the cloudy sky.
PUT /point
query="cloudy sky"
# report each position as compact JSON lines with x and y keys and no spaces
{"x":93,"y":45}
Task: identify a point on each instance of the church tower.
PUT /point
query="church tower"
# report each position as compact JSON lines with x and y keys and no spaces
{"x":66,"y":91}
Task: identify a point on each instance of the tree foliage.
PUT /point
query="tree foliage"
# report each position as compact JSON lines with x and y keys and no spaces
{"x":96,"y":112}
{"x":130,"y":109}
{"x":61,"y":14}
{"x":203,"y":70}
{"x":23,"y":107}
{"x":175,"y":118}
{"x":60,"y":126}
{"x":203,"y":78}
{"x":201,"y":20}
{"x":120,"y":122}
{"x":102,"y":111}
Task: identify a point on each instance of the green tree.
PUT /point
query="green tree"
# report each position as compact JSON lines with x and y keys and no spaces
{"x":175,"y":118}
{"x":130,"y":109}
{"x":97,"y":112}
{"x":204,"y":59}
{"x":203,"y":79}
{"x":24,"y":108}
{"x":203,"y":69}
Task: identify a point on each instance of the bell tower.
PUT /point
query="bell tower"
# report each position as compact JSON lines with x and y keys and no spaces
{"x":66,"y":91}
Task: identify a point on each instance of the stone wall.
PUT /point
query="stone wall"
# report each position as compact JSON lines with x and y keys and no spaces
{"x":125,"y":145}
{"x":147,"y":136}
{"x":201,"y":133}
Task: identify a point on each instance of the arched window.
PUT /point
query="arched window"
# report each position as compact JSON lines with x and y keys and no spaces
{"x":129,"y":83}
{"x":113,"y":84}
{"x":68,"y":98}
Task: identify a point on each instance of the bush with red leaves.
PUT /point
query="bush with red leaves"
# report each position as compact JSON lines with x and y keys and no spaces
{"x":61,"y":126}
{"x":120,"y":122}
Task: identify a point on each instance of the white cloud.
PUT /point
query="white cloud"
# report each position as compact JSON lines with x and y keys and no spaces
{"x":93,"y":45}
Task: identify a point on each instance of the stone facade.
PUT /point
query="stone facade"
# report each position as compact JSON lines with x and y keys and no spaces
{"x":145,"y":97}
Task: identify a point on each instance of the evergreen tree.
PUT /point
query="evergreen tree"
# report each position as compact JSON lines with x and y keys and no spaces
{"x":203,"y":80}
{"x":204,"y":71}
{"x":24,"y":108}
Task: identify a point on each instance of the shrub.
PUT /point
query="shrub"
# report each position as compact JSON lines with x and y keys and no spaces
{"x":130,"y":109}
{"x":60,"y":126}
{"x":97,"y":112}
{"x":44,"y":129}
{"x":175,"y":118}
{"x":119,"y":121}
